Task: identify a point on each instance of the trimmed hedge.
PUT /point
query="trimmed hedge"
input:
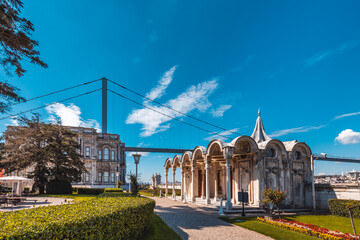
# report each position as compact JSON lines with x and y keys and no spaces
{"x":115,"y":194}
{"x":157,"y":192}
{"x":90,"y":191}
{"x":337,"y":207}
{"x":113,"y":190}
{"x":100,"y":218}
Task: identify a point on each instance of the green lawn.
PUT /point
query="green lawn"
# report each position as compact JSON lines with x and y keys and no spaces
{"x":331,"y":222}
{"x":266,"y":229}
{"x":342,"y":224}
{"x":160,"y":230}
{"x":76,"y":197}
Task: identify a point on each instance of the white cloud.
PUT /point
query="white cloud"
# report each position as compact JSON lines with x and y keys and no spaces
{"x":295,"y":130}
{"x":348,"y":136}
{"x":346,"y":115}
{"x":193,"y":98}
{"x":163,"y":83}
{"x":219,"y":112}
{"x":224,"y":135}
{"x":70,"y":116}
{"x":322,"y":55}
{"x":13,"y":122}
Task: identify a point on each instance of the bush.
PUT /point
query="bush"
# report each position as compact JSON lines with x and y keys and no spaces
{"x":58,"y":187}
{"x":90,"y":191}
{"x":99,"y":218}
{"x":338,"y":207}
{"x":113,"y":190}
{"x":115,"y":194}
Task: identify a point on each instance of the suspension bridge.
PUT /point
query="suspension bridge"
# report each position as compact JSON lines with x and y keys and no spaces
{"x":104,"y":123}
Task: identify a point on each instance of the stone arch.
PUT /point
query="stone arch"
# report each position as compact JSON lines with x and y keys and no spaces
{"x":237,"y":143}
{"x":168,"y":164}
{"x":185,"y":163}
{"x":176,"y":162}
{"x":198,"y":155}
{"x":215,"y":147}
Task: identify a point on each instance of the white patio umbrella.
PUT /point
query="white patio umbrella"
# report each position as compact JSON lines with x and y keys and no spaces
{"x":15,"y":179}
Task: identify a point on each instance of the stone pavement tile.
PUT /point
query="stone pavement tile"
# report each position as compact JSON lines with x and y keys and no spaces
{"x":196,"y":222}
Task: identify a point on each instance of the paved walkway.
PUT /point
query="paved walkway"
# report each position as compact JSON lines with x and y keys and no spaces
{"x":196,"y":222}
{"x":32,"y":202}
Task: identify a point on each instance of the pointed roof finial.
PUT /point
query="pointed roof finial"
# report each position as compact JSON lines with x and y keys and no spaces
{"x":259,"y":134}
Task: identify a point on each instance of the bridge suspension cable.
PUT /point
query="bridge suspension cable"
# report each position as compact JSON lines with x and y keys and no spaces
{"x":63,"y":100}
{"x":58,"y":91}
{"x":174,"y":118}
{"x":172,"y":109}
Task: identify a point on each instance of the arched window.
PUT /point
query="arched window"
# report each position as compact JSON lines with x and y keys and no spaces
{"x":271,"y":152}
{"x":106,"y":154}
{"x":100,"y":154}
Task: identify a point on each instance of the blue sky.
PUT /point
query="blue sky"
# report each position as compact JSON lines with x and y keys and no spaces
{"x":216,"y":60}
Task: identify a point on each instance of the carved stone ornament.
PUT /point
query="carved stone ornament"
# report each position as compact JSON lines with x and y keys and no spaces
{"x":274,"y":170}
{"x":298,"y":172}
{"x":244,"y":170}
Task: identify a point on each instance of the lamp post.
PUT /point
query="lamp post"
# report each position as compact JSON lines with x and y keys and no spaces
{"x":137,"y":160}
{"x":312,"y":162}
{"x":117,"y":179}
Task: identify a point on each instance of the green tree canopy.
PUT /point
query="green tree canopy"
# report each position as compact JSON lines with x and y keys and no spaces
{"x":16,"y":45}
{"x":47,"y":151}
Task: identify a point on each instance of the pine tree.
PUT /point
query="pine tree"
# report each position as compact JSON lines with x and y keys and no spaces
{"x":16,"y":45}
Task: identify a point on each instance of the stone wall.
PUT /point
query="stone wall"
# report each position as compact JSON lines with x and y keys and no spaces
{"x":324,"y":192}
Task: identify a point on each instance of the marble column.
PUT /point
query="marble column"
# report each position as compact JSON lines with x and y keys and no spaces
{"x":173,"y":186}
{"x":203,"y":184}
{"x":228,"y":185}
{"x":193,"y":184}
{"x":207,"y":169}
{"x":166,"y":182}
{"x":216,"y":197}
{"x":183,"y":184}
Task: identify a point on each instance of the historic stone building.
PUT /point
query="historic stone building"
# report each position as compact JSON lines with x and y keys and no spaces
{"x":104,"y":157}
{"x":103,"y":154}
{"x":221,"y":170}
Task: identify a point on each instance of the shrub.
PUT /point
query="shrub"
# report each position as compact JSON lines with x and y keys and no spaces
{"x":134,"y":184}
{"x":90,"y":191}
{"x":338,"y":207}
{"x":113,"y":190}
{"x":115,"y":194}
{"x":99,"y":218}
{"x":275,"y":197}
{"x":58,"y":187}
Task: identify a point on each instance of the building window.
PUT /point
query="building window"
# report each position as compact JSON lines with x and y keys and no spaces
{"x":100,"y":154}
{"x":99,"y":177}
{"x":112,"y":177}
{"x":87,"y":177}
{"x":297,"y":155}
{"x":106,"y":176}
{"x":112,"y":155}
{"x":87,"y":151}
{"x":106,"y":154}
{"x":271,"y":152}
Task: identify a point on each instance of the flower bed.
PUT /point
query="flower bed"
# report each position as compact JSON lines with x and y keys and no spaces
{"x":99,"y":218}
{"x":308,"y":229}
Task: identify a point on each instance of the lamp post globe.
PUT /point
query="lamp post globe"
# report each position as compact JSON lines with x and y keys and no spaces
{"x":137,"y":160}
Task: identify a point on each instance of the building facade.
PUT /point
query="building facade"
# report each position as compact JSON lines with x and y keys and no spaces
{"x":103,"y":155}
{"x":249,"y":163}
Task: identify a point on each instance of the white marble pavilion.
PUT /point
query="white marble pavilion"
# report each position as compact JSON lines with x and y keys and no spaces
{"x":251,"y":163}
